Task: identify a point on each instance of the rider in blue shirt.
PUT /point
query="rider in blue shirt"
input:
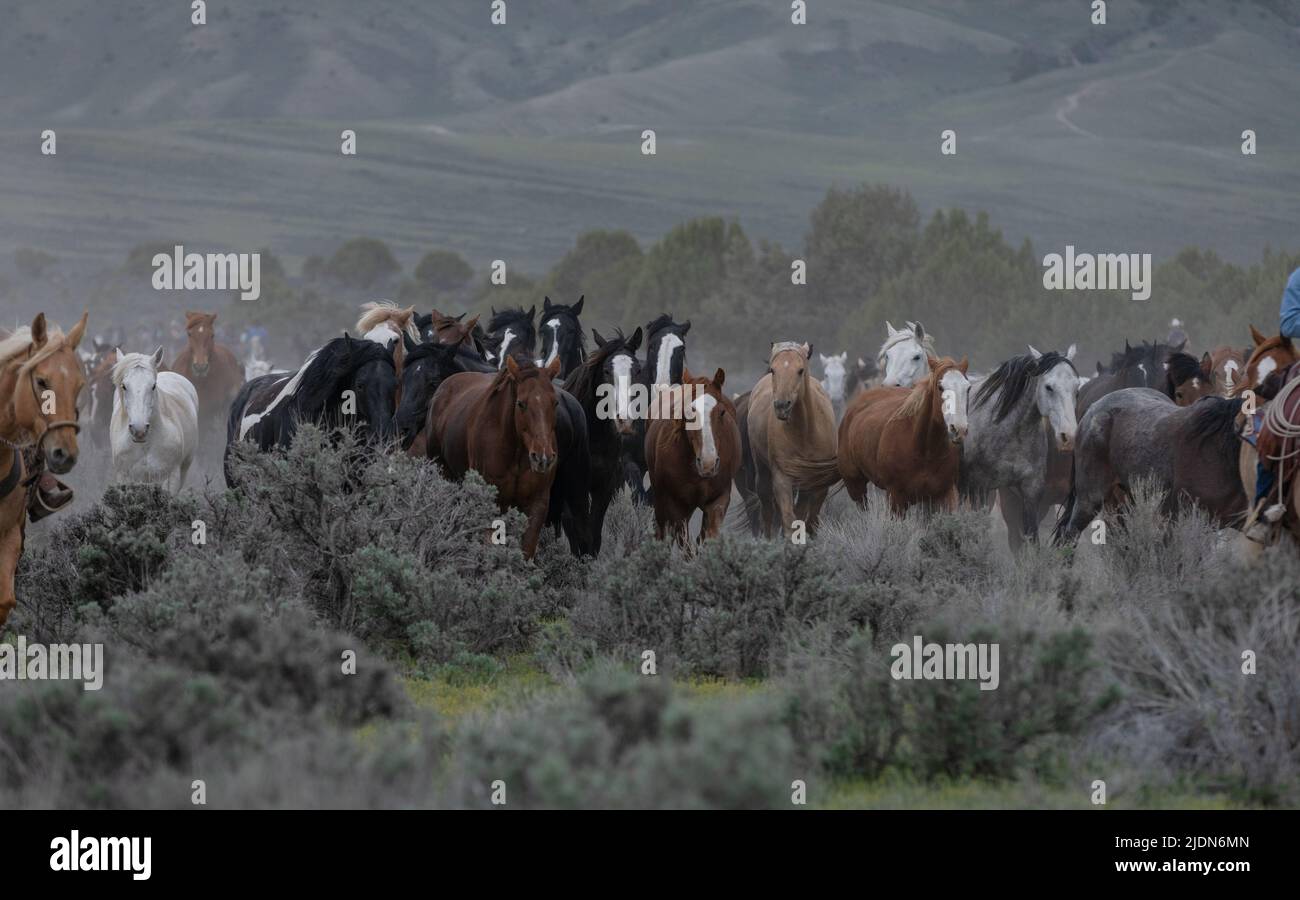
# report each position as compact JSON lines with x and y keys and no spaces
{"x":1264,"y":478}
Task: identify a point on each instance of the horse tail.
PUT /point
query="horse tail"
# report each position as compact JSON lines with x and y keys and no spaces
{"x":813,"y":474}
{"x":1067,"y":510}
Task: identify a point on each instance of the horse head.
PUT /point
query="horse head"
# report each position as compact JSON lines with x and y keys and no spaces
{"x":562,"y":336}
{"x":706,"y":410}
{"x":200,"y":337}
{"x":1269,"y":355}
{"x":534,"y":398}
{"x":620,"y":369}
{"x":136,"y":376}
{"x":511,"y":331}
{"x":1186,"y":379}
{"x":835,"y":367}
{"x":788,"y":366}
{"x":425,"y":367}
{"x":666,"y":349}
{"x":904,"y":353}
{"x":1056,"y":390}
{"x":47,"y":386}
{"x":948,"y":381}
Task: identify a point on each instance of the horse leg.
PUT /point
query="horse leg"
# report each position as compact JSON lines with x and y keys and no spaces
{"x":536,"y":519}
{"x":783,"y":494}
{"x":1013,"y":514}
{"x":810,"y":508}
{"x":1029,"y":514}
{"x":11,"y":548}
{"x":599,"y":506}
{"x":767,"y":506}
{"x":714,"y":514}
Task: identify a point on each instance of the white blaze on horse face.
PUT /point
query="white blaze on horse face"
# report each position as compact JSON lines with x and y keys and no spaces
{"x":664,"y":361}
{"x":622,"y":368}
{"x":955,"y":387}
{"x":905,"y":363}
{"x":1229,"y":375}
{"x":702,"y":412}
{"x":505,"y":345}
{"x":554,"y":325}
{"x":139,"y":392}
{"x":1057,"y":392}
{"x":383,"y":333}
{"x":1266,"y":367}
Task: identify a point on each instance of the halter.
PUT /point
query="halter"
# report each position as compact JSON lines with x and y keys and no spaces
{"x":39,"y":440}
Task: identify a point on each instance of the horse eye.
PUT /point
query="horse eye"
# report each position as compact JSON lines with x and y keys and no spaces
{"x":915,"y":358}
{"x":801,"y":371}
{"x":521,"y":404}
{"x":1051,"y":390}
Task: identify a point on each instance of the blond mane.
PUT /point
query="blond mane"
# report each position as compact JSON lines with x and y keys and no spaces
{"x":377,"y":312}
{"x":20,"y":341}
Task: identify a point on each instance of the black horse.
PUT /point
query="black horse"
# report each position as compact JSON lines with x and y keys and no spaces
{"x":510,"y":332}
{"x":665,"y":361}
{"x":348,"y":382}
{"x":604,"y":385}
{"x":426,"y":366}
{"x":562,"y":335}
{"x":1140,"y":366}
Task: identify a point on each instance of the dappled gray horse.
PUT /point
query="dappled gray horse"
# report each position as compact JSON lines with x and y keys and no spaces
{"x":1190,"y":451}
{"x":1014,"y":412}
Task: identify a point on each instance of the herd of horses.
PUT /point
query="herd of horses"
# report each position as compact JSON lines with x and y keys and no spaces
{"x":553,"y":423}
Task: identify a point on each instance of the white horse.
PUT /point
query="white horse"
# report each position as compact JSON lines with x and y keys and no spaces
{"x":903,"y":355}
{"x":155,"y":426}
{"x":835,"y":369}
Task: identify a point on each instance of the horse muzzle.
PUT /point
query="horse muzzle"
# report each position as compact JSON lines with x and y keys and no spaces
{"x":139,"y":433}
{"x":782,"y":409}
{"x":199,"y":369}
{"x":707,"y":470}
{"x":541,"y":463}
{"x":624,"y":426}
{"x":1065,"y":442}
{"x":60,"y":461}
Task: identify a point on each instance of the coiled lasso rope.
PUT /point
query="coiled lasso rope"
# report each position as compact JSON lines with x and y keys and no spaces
{"x":1275,"y":420}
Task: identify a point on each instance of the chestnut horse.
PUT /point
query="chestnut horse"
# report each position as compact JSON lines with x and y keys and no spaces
{"x":40,"y":380}
{"x":1271,"y":354}
{"x":213,"y":369}
{"x":692,"y":457}
{"x":502,"y":426}
{"x":791,"y":440}
{"x":907,"y":441}
{"x":1227,"y":365}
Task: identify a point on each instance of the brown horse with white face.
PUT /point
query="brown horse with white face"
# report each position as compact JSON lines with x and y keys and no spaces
{"x":907,"y":441}
{"x":40,"y":380}
{"x":213,"y":369}
{"x":692,"y":456}
{"x":1271,"y":354}
{"x":501,"y":425}
{"x":791,"y":434}
{"x":1227,"y":366}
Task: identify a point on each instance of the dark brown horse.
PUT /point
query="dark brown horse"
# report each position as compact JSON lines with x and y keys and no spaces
{"x":692,"y":457}
{"x":502,"y":426}
{"x":907,"y":440}
{"x":215,"y":372}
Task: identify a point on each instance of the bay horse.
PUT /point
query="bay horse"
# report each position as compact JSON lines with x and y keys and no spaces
{"x":511,"y":331}
{"x":693,"y":456}
{"x":907,"y":441}
{"x":1007,"y":446}
{"x":347,"y":382}
{"x":612,"y":372}
{"x":41,"y":377}
{"x":665,"y":360}
{"x":502,"y":425}
{"x":437,"y":327}
{"x":212,"y":368}
{"x":902,"y":357}
{"x":792,"y":441}
{"x":1190,"y":451}
{"x":562,"y":336}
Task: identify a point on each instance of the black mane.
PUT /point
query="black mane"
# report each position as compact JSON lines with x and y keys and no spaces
{"x":1215,"y":419}
{"x":1013,"y":378}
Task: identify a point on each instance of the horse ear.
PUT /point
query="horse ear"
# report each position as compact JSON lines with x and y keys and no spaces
{"x":512,"y":367}
{"x":824,"y":358}
{"x":862,"y":363}
{"x":1100,"y":370}
{"x":844,"y":356}
{"x":686,"y":375}
{"x":1069,"y":354}
{"x":39,"y":332}
{"x":964,"y":365}
{"x":1207,"y":362}
{"x":407,"y":343}
{"x":74,"y":336}
{"x":890,"y":328}
{"x":719,"y":378}
{"x":532,"y":313}
{"x":1127,"y":348}
{"x":600,"y":341}
{"x":158,"y":357}
{"x":470,"y":325}
{"x":577,"y":307}
{"x":1034,"y":353}
{"x":919,"y":331}
{"x":553,"y":370}
{"x":807,"y":351}
{"x":1256,"y":336}
{"x":546,"y":303}
{"x":634,"y":342}
{"x":686,"y":326}
{"x":434,"y":314}
{"x":117,"y":351}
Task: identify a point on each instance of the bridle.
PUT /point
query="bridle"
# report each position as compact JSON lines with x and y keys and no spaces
{"x":39,"y":440}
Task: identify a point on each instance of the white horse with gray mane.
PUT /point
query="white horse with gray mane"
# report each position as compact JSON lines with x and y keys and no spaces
{"x":1026,"y":402}
{"x":835,"y":368}
{"x":154,"y":430}
{"x":903,"y":355}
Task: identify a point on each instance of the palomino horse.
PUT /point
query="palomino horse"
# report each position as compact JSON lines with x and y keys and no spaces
{"x":693,"y":455}
{"x":907,"y":440}
{"x":791,"y":430}
{"x":212,"y":368}
{"x":502,"y":425}
{"x":1137,"y":433}
{"x":612,"y":371}
{"x":903,"y":355}
{"x":562,"y":336}
{"x":155,"y":428}
{"x":40,"y":380}
{"x":1007,"y":447}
